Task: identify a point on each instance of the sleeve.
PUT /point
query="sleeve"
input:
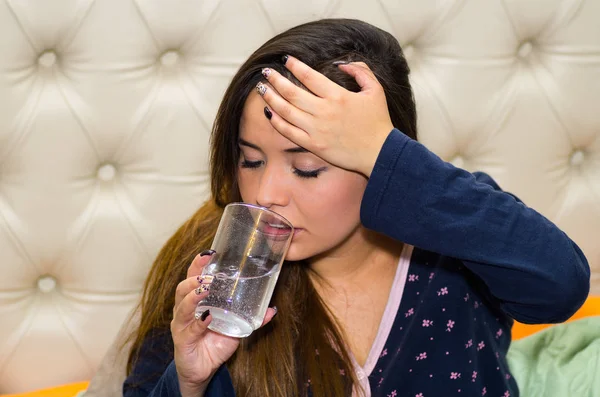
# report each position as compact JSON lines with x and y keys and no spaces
{"x":168,"y":385}
{"x":534,"y":269}
{"x":154,"y":357}
{"x":155,"y":374}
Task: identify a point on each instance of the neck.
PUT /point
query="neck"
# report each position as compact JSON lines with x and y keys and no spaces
{"x":356,"y":265}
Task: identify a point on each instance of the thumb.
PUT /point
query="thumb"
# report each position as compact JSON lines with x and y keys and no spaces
{"x":361,"y":73}
{"x":271,"y":312}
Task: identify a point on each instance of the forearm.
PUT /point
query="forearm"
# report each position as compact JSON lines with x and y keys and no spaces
{"x":525,"y":260}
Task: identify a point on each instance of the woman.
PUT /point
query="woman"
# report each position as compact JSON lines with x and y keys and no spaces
{"x":406,"y":273}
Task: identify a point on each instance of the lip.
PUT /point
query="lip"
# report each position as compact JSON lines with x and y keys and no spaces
{"x":274,"y":232}
{"x":277,"y":233}
{"x":270,"y":218}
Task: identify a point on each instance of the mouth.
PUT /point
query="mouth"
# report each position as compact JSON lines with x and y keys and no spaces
{"x":273,"y":227}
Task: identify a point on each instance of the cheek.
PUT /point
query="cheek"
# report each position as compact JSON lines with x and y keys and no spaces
{"x":328,"y":206}
{"x":333,"y":206}
{"x":247,"y":185}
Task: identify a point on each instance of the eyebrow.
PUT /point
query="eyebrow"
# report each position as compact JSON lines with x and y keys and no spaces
{"x":297,"y":149}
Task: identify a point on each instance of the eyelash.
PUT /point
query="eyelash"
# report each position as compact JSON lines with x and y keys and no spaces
{"x":299,"y":173}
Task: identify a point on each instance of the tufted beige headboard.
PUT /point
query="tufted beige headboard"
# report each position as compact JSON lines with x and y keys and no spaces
{"x":106,"y":108}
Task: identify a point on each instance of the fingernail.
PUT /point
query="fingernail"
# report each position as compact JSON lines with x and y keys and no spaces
{"x":204,"y":315}
{"x":266,"y":72}
{"x":275,"y":308}
{"x":268,"y":113}
{"x":207,"y":252}
{"x":202,"y":288}
{"x":284,"y":59}
{"x":205,"y":279}
{"x":261,"y":89}
{"x":340,"y":62}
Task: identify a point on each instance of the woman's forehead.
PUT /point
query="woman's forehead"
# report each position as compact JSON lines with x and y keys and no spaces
{"x":257,"y":129}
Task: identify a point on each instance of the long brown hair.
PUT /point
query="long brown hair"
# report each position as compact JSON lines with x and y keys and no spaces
{"x":303,"y":345}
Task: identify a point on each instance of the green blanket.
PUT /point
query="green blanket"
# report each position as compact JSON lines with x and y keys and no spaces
{"x":560,"y":361}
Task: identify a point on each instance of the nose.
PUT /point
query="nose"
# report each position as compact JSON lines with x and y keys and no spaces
{"x":272,"y":189}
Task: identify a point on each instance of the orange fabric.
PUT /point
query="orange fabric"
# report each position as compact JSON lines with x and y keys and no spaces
{"x":591,"y":307}
{"x":61,"y":391}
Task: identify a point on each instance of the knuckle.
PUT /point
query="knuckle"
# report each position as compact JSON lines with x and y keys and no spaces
{"x":285,"y":112}
{"x":179,"y":291}
{"x":339,"y":98}
{"x":176,"y":311}
{"x":305,"y":76}
{"x":290,"y":93}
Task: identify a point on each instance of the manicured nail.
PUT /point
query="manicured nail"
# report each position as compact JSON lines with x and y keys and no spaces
{"x":207,"y":252}
{"x":266,"y":72}
{"x":268,"y":113}
{"x":204,"y":315}
{"x":205,"y":279}
{"x":202,"y":288}
{"x":284,"y":59}
{"x":340,"y":62}
{"x":261,"y":89}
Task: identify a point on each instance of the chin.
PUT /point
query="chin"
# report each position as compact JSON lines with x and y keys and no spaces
{"x":299,"y":251}
{"x":296,"y":253}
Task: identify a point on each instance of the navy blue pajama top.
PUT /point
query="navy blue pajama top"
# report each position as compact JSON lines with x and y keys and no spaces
{"x":480,"y":258}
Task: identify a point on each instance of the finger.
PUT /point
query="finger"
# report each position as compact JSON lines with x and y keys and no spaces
{"x":282,"y":107}
{"x":185,"y":312}
{"x":313,"y":80}
{"x":199,"y":262}
{"x":291,"y":132}
{"x":292,"y":93}
{"x":271,"y":312}
{"x":199,"y":326}
{"x":362,"y":74}
{"x":190,"y":284}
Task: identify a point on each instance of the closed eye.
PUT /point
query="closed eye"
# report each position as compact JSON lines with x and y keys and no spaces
{"x":251,"y":164}
{"x":300,"y":173}
{"x":309,"y":174}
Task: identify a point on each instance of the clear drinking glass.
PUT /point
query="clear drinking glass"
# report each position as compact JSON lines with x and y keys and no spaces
{"x":250,"y":244}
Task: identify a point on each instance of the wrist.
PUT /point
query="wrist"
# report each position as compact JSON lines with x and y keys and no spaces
{"x":188,"y":389}
{"x":374,"y":149}
{"x":191,"y":390}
